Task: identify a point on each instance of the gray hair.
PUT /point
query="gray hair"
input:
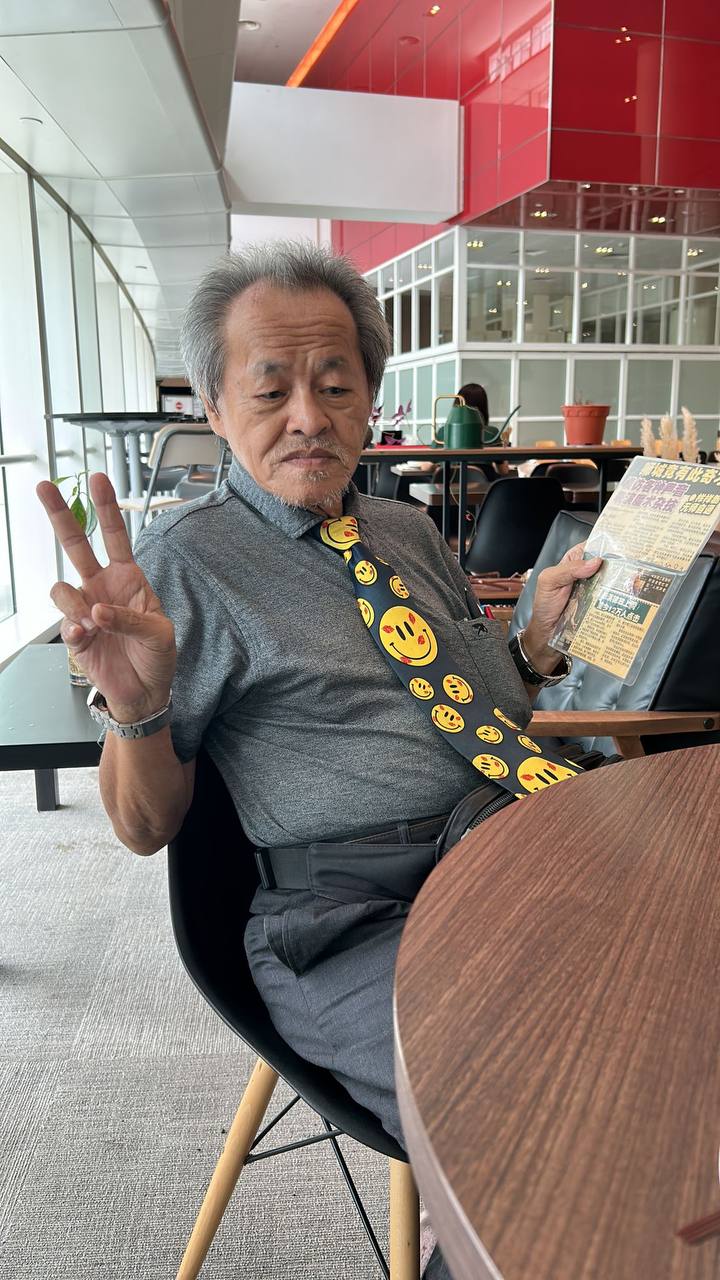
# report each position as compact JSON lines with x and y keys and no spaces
{"x":295,"y":265}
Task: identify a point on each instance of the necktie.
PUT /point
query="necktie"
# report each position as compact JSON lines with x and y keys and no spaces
{"x":482,"y":733}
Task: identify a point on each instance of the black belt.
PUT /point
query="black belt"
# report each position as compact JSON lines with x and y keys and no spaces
{"x":362,"y":865}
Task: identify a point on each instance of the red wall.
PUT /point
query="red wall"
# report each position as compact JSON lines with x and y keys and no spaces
{"x":635,"y":95}
{"x":639,"y":105}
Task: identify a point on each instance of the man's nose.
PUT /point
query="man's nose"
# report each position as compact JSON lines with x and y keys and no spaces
{"x":306,"y":413}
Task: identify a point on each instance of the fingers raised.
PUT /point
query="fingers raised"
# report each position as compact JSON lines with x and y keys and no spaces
{"x":67,"y":530}
{"x":112,"y":525}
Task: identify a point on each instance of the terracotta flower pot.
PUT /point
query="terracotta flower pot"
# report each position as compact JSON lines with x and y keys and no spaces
{"x":585,"y":423}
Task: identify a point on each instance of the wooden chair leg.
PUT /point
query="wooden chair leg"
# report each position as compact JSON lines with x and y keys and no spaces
{"x":248,"y":1119}
{"x":404,"y":1223}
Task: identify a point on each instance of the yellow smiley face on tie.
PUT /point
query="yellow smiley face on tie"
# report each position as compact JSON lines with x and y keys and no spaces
{"x":421,"y":688}
{"x":367,"y":612}
{"x":340,"y":533}
{"x":491,"y":766}
{"x":407,"y":637}
{"x":488,"y":733}
{"x":447,"y":718}
{"x":397,"y":586}
{"x":528,"y":743}
{"x":365,"y":572}
{"x":534,"y":774}
{"x":503,"y":718}
{"x":457,"y":689}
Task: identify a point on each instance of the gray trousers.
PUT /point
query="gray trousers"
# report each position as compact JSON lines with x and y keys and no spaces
{"x":324,"y":970}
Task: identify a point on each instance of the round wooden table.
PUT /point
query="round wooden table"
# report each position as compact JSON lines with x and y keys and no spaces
{"x":558,"y":1030}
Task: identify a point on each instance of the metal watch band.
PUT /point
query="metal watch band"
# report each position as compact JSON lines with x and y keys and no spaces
{"x":528,"y":671}
{"x":98,"y":708}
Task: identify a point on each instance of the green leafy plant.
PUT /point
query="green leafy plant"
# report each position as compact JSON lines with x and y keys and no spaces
{"x":79,"y":500}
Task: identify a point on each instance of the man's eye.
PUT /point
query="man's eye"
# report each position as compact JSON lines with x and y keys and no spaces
{"x":271,"y":395}
{"x":335,"y":391}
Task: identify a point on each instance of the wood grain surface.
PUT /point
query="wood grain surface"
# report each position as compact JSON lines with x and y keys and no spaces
{"x":558,"y":1030}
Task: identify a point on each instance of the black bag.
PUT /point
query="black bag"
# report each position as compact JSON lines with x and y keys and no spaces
{"x":489,"y":798}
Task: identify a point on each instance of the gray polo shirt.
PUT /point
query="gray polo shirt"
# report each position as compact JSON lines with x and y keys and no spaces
{"x":279,"y":679}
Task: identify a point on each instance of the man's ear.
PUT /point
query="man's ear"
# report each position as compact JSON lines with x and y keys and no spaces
{"x":213,"y":417}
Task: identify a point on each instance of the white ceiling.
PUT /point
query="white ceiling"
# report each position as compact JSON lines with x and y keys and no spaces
{"x":123,"y":136}
{"x":287,"y":29}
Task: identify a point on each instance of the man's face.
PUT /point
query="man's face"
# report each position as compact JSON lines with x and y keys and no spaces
{"x":295,"y":401}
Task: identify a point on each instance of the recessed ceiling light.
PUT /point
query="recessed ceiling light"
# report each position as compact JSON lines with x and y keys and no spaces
{"x":586,"y":186}
{"x":32,"y":119}
{"x":434,"y":8}
{"x":658,"y":219}
{"x":679,"y":191}
{"x":139,"y":267}
{"x":246,"y":24}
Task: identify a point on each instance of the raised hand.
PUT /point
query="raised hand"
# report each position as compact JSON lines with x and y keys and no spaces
{"x":113,"y":622}
{"x":552,"y":593}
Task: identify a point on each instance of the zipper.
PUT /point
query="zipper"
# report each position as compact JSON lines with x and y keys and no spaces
{"x":492,"y":807}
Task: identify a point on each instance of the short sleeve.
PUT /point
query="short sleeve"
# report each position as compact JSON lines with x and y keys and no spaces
{"x":212,"y":657}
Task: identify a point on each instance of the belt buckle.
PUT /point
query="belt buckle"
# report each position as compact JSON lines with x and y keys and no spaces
{"x":267,"y":878}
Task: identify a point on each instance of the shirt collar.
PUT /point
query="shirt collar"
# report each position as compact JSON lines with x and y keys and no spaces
{"x":294,"y":521}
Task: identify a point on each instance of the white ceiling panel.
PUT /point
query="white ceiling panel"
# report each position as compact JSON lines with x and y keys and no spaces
{"x":118,"y":231}
{"x":149,"y":197}
{"x":131,"y":78}
{"x":172,"y":266}
{"x":181,"y":229}
{"x":38,"y":17}
{"x":43,"y":144}
{"x":133,"y":264}
{"x":86,"y":196}
{"x":287,"y":29}
{"x":177,"y":296}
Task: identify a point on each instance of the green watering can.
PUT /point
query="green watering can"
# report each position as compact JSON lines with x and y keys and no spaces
{"x":464,"y":427}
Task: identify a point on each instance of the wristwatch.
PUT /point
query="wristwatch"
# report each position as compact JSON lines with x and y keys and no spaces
{"x":527,"y":670}
{"x":98,"y":708}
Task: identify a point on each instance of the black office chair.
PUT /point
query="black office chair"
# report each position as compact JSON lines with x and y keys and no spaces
{"x":675,"y":700}
{"x":513,"y":524}
{"x":212,"y":879}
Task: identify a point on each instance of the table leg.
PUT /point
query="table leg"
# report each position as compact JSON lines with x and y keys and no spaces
{"x":136,"y":478}
{"x":121,"y":475}
{"x":602,"y":486}
{"x":446,"y":501}
{"x":462,"y":508}
{"x":47,"y":795}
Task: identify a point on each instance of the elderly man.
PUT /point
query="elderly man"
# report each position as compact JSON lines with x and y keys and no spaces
{"x":236,"y":604}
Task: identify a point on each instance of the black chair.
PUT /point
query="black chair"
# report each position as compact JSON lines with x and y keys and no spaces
{"x":674,"y":701}
{"x":385,"y":484}
{"x":212,"y":878}
{"x":573,"y":475}
{"x":513,"y":524}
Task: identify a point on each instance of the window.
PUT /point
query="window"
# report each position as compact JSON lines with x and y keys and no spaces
{"x":108,"y":314}
{"x":701,"y":324}
{"x":444,"y":252}
{"x":491,"y":304}
{"x":548,"y":305}
{"x":86,"y":312}
{"x":423,"y":307}
{"x":444,"y":308}
{"x":656,"y":309}
{"x":494,"y":376}
{"x":597,"y":381}
{"x":648,"y":389}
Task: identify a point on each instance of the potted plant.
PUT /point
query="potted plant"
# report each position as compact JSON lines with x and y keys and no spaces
{"x":82,"y":507}
{"x":585,"y":422}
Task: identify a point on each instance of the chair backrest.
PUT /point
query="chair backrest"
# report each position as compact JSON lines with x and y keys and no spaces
{"x":212,"y":878}
{"x":184,"y":445}
{"x":385,"y":484}
{"x":513,"y":523}
{"x":682,"y":670}
{"x":583,"y":475}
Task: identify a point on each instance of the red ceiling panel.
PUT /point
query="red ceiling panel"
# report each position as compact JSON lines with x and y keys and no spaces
{"x":599,"y":84}
{"x":524,"y":96}
{"x":358,"y":73}
{"x":689,"y":162}
{"x":480,"y":26}
{"x":411,"y":84}
{"x":640,"y":15}
{"x":690,"y":102}
{"x":442,"y":67}
{"x":523,"y":169}
{"x":602,"y":157}
{"x":521,"y":15}
{"x":698,"y":19}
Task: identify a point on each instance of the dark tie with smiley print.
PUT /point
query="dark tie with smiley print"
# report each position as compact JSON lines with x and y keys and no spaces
{"x":479,"y":731}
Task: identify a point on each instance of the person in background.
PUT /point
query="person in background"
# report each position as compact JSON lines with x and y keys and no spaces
{"x":476,"y":396}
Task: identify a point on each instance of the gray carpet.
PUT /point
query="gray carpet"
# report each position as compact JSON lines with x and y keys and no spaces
{"x":117,"y":1081}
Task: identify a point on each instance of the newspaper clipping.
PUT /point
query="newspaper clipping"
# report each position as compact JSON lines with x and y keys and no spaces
{"x":649,"y":534}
